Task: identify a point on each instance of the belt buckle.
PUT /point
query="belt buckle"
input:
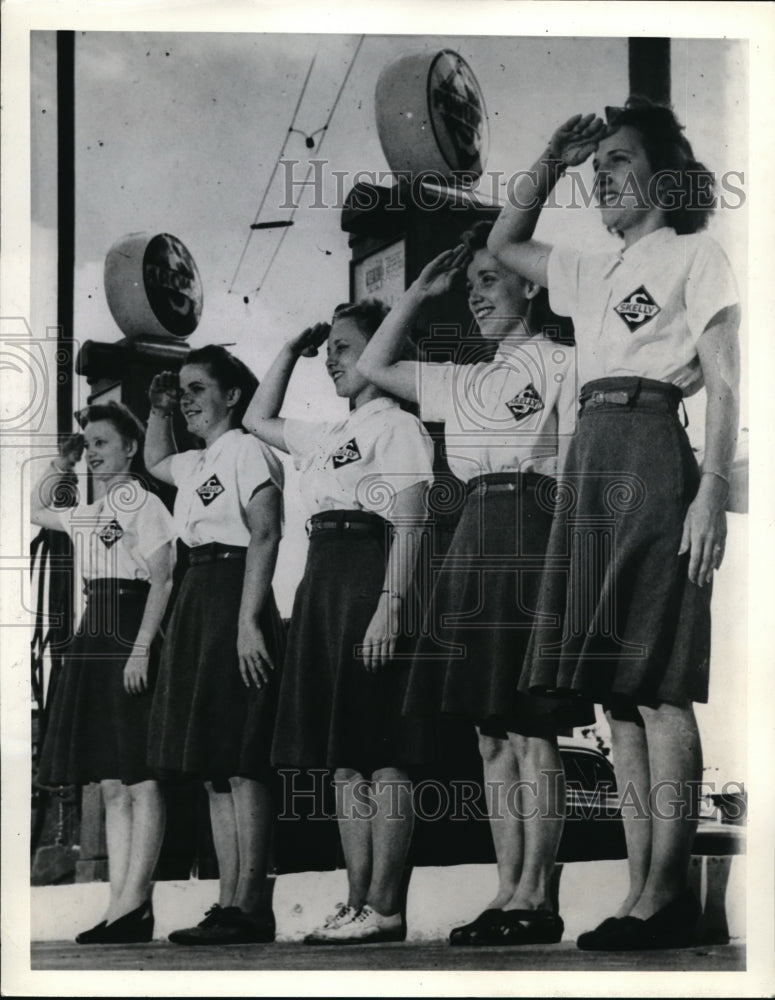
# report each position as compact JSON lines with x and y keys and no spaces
{"x":598,"y":397}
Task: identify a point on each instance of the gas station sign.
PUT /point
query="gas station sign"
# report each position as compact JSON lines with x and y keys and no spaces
{"x":153,"y":286}
{"x":431,"y":117}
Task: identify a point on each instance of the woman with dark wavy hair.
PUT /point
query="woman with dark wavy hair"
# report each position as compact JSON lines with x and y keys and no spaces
{"x":213,"y":710}
{"x":644,"y":527}
{"x":98,"y":727}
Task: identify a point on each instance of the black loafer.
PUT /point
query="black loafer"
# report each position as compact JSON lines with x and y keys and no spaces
{"x":135,"y":927}
{"x":473,"y":933}
{"x":93,"y":935}
{"x":674,"y":926}
{"x":589,"y":939}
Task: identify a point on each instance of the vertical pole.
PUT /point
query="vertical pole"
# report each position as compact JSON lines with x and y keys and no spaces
{"x":65,"y":225}
{"x":649,"y":66}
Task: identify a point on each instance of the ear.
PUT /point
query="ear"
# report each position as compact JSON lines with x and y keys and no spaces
{"x":233,"y":395}
{"x":131,"y":448}
{"x":530,"y":288}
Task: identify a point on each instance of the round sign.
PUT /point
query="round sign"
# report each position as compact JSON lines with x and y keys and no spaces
{"x":431,"y":117}
{"x":153,"y":286}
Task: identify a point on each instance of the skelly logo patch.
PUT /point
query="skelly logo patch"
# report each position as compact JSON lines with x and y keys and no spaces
{"x":525,"y":402}
{"x":346,"y":454}
{"x":209,"y":490}
{"x":111,"y":533}
{"x":638,"y":308}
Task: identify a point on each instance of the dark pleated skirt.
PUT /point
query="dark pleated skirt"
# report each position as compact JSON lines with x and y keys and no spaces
{"x":204,"y":720}
{"x":333,"y":712}
{"x":484,"y":606}
{"x":96,"y":730}
{"x":626,"y":622}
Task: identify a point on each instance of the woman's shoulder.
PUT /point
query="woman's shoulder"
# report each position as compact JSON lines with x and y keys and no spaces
{"x":703,"y":242}
{"x":141,"y":500}
{"x":400,"y":419}
{"x":248,"y":445}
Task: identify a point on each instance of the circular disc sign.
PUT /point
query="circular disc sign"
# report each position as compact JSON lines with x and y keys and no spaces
{"x":431,"y":116}
{"x":457,"y":113}
{"x":153,"y":286}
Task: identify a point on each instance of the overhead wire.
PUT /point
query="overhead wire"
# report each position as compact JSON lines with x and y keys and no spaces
{"x":274,"y":170}
{"x":324,"y":130}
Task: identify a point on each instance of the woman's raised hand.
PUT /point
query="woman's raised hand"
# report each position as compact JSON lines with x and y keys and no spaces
{"x":164,"y":392}
{"x":70,"y":451}
{"x":308,"y":342}
{"x":576,"y":139}
{"x":441,"y":274}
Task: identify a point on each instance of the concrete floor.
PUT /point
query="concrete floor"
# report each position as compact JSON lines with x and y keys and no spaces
{"x":434,"y":956}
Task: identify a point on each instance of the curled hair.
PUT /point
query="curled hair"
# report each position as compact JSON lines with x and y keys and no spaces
{"x":539,"y":317}
{"x":368,"y":314}
{"x":120,"y":416}
{"x":476,"y":237}
{"x":689,"y":203}
{"x":229,"y":372}
{"x":129,"y":427}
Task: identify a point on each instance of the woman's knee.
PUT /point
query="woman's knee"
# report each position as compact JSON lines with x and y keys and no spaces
{"x":345,"y":775}
{"x":492,"y":748}
{"x":217,"y":788}
{"x":114,"y":792}
{"x":538,"y":746}
{"x":393,"y":775}
{"x":666,"y":711}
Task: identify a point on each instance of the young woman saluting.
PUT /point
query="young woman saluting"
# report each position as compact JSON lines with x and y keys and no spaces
{"x":363,"y":480}
{"x":654,"y":322}
{"x":214,"y":705}
{"x":505,"y":421}
{"x":98,"y":727}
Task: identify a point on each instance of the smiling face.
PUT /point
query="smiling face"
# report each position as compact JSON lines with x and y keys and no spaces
{"x":206,"y":407}
{"x":625,"y":180}
{"x":497,"y":296}
{"x":346,"y":343}
{"x":106,"y":452}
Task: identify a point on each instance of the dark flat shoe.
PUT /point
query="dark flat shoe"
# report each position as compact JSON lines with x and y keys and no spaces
{"x":135,"y":927}
{"x":528,"y":927}
{"x":93,"y":935}
{"x":226,"y":925}
{"x":471,"y":934}
{"x":589,"y":939}
{"x":516,"y":927}
{"x":674,"y":926}
{"x":199,"y":934}
{"x":245,"y":928}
